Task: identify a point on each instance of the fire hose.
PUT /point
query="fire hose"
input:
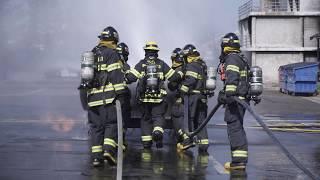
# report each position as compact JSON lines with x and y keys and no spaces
{"x":265,"y":128}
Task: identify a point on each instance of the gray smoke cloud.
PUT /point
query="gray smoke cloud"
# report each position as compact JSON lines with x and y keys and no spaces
{"x":37,"y":35}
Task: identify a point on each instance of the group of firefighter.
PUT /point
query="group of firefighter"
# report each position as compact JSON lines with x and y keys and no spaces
{"x":186,"y":78}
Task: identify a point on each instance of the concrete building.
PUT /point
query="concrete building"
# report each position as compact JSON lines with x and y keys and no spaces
{"x":277,"y":32}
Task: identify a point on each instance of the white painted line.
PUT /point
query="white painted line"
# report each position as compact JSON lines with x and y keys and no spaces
{"x":220,"y":169}
{"x":313,"y":99}
{"x":28,"y":93}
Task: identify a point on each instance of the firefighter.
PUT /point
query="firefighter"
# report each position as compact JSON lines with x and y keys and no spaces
{"x":234,"y":76}
{"x":193,"y":86}
{"x":178,"y":64}
{"x":101,"y":96}
{"x":124,"y":94}
{"x":151,"y":73}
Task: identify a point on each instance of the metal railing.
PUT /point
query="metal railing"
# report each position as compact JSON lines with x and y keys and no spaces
{"x":269,"y":6}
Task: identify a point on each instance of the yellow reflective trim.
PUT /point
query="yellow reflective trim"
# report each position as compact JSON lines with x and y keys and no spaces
{"x":204,"y":141}
{"x":196,"y":91}
{"x":146,"y":138}
{"x":181,"y":74}
{"x":158,"y":128}
{"x":233,"y":68}
{"x":100,"y":102}
{"x":231,"y":88}
{"x":146,"y":156}
{"x":136,"y":73}
{"x":101,"y":89}
{"x":169,"y":73}
{"x":111,"y":142}
{"x":96,"y":149}
{"x":193,"y":74}
{"x":240,"y":97}
{"x":102,"y":67}
{"x":95,"y":103}
{"x":179,"y":100}
{"x":239,"y":153}
{"x":119,"y":86}
{"x":114,"y":66}
{"x":160,"y":75}
{"x":184,"y":88}
{"x":243,"y":73}
{"x":151,"y":100}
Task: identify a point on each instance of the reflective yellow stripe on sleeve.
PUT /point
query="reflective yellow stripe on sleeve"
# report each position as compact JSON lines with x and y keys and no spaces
{"x":184,"y":88}
{"x":231,"y":88}
{"x":114,"y":66}
{"x":233,"y":68}
{"x":135,"y":73}
{"x":193,"y":74}
{"x":239,"y":153}
{"x":169,"y":74}
{"x":119,"y":86}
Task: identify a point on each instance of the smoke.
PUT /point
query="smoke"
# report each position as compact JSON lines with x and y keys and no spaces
{"x":40,"y":35}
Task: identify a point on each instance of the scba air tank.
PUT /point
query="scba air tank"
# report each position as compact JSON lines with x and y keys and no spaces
{"x":87,"y":66}
{"x":256,"y":83}
{"x":211,"y":79}
{"x":152,"y":79}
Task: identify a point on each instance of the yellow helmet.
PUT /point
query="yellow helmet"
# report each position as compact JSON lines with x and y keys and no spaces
{"x":151,"y":46}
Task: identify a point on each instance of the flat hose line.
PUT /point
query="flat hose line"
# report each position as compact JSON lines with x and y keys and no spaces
{"x":120,"y":141}
{"x":265,"y":128}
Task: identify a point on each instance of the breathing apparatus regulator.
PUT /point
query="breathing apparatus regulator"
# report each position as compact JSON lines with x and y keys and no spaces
{"x":87,"y":69}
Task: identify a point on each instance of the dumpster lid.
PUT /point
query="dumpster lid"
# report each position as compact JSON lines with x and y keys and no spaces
{"x":300,"y":65}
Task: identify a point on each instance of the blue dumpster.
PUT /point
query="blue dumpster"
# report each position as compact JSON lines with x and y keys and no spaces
{"x":301,"y":77}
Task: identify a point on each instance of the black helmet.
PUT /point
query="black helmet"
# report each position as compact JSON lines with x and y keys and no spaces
{"x":109,"y":33}
{"x":190,"y":49}
{"x":230,"y":40}
{"x":123,"y":49}
{"x":175,"y":53}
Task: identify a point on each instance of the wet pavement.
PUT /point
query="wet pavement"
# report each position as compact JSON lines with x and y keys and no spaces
{"x":43,"y":135}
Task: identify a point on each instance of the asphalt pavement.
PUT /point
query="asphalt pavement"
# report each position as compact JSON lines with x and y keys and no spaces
{"x":44,"y":135}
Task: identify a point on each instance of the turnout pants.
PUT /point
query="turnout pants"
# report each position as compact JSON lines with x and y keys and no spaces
{"x":103,"y":121}
{"x":177,"y":115}
{"x":197,"y":114}
{"x":234,"y":114}
{"x":152,"y":120}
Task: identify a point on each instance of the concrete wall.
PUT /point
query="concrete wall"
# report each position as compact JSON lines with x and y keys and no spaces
{"x":278,"y":32}
{"x":309,"y":5}
{"x":271,"y":61}
{"x":311,"y":27}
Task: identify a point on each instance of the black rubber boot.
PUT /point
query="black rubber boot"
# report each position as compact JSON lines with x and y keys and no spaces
{"x":97,"y":162}
{"x":186,"y":144}
{"x":157,"y":136}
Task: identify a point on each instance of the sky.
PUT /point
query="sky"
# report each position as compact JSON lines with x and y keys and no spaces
{"x":38,"y":35}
